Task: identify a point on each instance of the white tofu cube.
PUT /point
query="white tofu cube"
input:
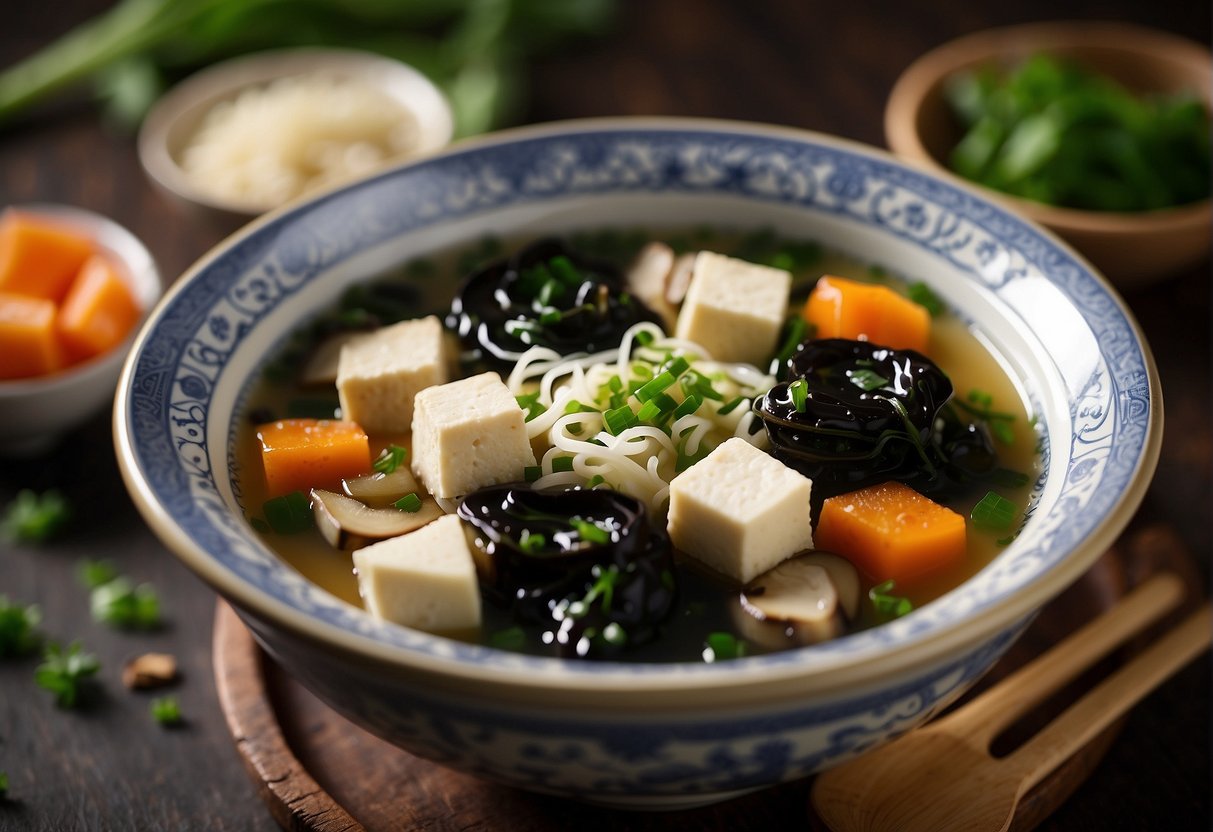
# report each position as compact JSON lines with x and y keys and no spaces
{"x":734,"y":309}
{"x":425,"y":579}
{"x":469,"y":434}
{"x":380,"y":373}
{"x":740,"y":511}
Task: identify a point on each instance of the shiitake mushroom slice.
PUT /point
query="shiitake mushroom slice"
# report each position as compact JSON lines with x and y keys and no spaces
{"x":804,"y":600}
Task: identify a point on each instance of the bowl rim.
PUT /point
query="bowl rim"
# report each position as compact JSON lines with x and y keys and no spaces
{"x":924,"y":75}
{"x":197,"y":93}
{"x":146,"y":283}
{"x":607,"y":678}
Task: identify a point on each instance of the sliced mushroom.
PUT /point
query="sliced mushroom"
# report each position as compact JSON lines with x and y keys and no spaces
{"x":799,"y":602}
{"x":679,"y":279}
{"x":647,"y":279}
{"x":321,"y":366}
{"x":347,"y":523}
{"x":381,"y":490}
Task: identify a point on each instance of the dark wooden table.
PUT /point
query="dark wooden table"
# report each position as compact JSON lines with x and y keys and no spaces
{"x":822,"y":66}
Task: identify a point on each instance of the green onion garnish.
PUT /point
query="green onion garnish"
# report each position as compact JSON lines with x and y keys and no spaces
{"x":18,"y":628}
{"x":799,"y":390}
{"x":924,"y":296}
{"x":565,"y":270}
{"x":731,"y":406}
{"x":644,"y":337}
{"x":409,"y":502}
{"x":562,"y":463}
{"x":994,"y":513}
{"x":63,"y":672}
{"x":648,"y":412}
{"x":530,"y":403}
{"x":596,"y":480}
{"x":166,"y":711}
{"x":532,"y":472}
{"x":689,"y":405}
{"x":511,"y":638}
{"x":289,"y":514}
{"x":589,"y":531}
{"x":866,"y":380}
{"x":619,"y":419}
{"x":676,"y":366}
{"x":531,"y":543}
{"x":389,"y":459}
{"x":549,"y":317}
{"x":659,"y":383}
{"x":696,"y":382}
{"x":722,"y":647}
{"x":887,"y":605}
{"x":34,"y":517}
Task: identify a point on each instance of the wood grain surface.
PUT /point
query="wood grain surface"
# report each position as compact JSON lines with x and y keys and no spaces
{"x":813,"y":65}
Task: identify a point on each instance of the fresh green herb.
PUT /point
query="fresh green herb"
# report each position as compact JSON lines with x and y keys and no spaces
{"x":887,"y":605}
{"x":3,"y":785}
{"x":981,"y":404}
{"x":166,"y":710}
{"x":925,"y":296}
{"x":731,"y":406}
{"x":659,"y":383}
{"x":689,"y":405}
{"x":18,"y":628}
{"x":33,"y":517}
{"x":409,"y":502}
{"x":120,"y":603}
{"x":1056,"y":132}
{"x":511,"y":638}
{"x":530,"y":403}
{"x":696,"y":383}
{"x":619,"y":419}
{"x":676,"y":366}
{"x":994,"y":512}
{"x":562,"y":463}
{"x":799,"y":390}
{"x":594,"y":481}
{"x":531,"y":473}
{"x":63,"y":672}
{"x":644,"y":337}
{"x":722,"y":646}
{"x":590,"y":531}
{"x":531,"y":543}
{"x":288,"y":514}
{"x":648,"y":412}
{"x":94,"y":573}
{"x":389,"y":459}
{"x":865,"y":380}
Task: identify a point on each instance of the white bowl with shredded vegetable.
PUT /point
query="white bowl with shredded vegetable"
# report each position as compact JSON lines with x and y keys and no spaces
{"x":250,"y":134}
{"x":636,"y":734}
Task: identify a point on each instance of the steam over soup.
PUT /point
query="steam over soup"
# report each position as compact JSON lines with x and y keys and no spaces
{"x":685,"y":447}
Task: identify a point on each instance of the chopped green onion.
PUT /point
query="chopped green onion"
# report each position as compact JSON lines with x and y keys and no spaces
{"x":799,"y":389}
{"x":389,"y":459}
{"x":596,"y":480}
{"x":689,"y":405}
{"x":648,"y":412}
{"x":620,"y":419}
{"x":289,"y":514}
{"x":676,"y":366}
{"x":94,"y":573}
{"x":866,"y":380}
{"x":981,"y":399}
{"x":665,"y":402}
{"x":511,"y":638}
{"x":994,"y":513}
{"x":614,"y":634}
{"x":166,"y":710}
{"x":532,"y":472}
{"x":120,"y":603}
{"x":530,"y":403}
{"x":34,"y":517}
{"x":887,"y":605}
{"x":1002,"y":431}
{"x":658,"y":385}
{"x":615,"y":383}
{"x":697,"y":383}
{"x":63,"y":672}
{"x":720,"y":647}
{"x":565,"y":270}
{"x":925,"y":296}
{"x":644,"y":337}
{"x":562,"y":463}
{"x":589,"y":531}
{"x":731,"y":406}
{"x":550,"y":316}
{"x":409,"y":502}
{"x":531,"y":543}
{"x":547,"y":292}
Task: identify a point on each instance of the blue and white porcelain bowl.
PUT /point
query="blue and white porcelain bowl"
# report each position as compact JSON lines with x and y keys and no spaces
{"x":658,"y":736}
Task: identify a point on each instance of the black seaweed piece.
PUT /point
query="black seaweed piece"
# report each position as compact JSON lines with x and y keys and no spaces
{"x":870,"y":414}
{"x":498,"y":312}
{"x":552,"y":584}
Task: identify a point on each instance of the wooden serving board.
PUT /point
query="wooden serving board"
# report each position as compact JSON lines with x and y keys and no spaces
{"x":317,"y":771}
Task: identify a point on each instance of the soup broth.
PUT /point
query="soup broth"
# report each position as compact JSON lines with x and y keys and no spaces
{"x":703,"y":600}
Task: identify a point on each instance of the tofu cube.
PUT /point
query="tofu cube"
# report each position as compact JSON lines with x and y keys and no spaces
{"x":380,"y":373}
{"x":425,"y":579}
{"x":740,"y":511}
{"x":469,"y":434}
{"x":734,"y":309}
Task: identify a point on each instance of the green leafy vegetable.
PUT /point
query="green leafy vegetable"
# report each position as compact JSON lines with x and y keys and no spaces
{"x":166,"y":710}
{"x":33,"y":517}
{"x":722,"y":647}
{"x":925,"y":296}
{"x":289,"y":514}
{"x":994,"y":512}
{"x":121,"y":603}
{"x":63,"y":672}
{"x":887,"y":605}
{"x":389,"y":459}
{"x":409,"y":502}
{"x":94,"y":573}
{"x":18,"y":628}
{"x":1056,"y":132}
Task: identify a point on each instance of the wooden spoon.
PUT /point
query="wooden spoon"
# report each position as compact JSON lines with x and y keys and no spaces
{"x":943,"y":777}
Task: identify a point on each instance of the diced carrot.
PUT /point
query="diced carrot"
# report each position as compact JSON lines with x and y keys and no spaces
{"x":841,"y":308}
{"x":299,"y":454}
{"x":39,"y":257}
{"x":891,"y":532}
{"x":29,"y":345}
{"x":99,"y":310}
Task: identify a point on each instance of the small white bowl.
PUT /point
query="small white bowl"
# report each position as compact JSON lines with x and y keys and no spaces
{"x":176,"y":117}
{"x":35,"y":412}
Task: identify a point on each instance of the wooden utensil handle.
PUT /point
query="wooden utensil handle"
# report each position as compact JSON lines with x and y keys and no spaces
{"x":1112,"y":697}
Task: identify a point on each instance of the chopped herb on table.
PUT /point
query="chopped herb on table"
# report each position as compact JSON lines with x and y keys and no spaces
{"x":95,"y":573}
{"x":166,"y":710}
{"x":33,"y":517}
{"x":3,"y":785}
{"x":63,"y":672}
{"x":18,"y":628}
{"x":121,"y":603}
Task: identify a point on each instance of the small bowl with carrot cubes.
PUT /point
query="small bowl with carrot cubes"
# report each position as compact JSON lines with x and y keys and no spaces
{"x":74,"y":287}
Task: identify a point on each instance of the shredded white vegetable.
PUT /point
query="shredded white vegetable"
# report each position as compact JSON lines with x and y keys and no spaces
{"x":641,"y":460}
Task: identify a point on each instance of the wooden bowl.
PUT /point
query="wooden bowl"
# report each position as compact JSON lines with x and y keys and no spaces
{"x":1131,"y":248}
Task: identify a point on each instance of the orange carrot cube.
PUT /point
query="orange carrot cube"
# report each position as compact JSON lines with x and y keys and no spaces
{"x":300,"y":454}
{"x":891,"y":532}
{"x":841,"y":308}
{"x":39,"y":257}
{"x":29,"y":345}
{"x":99,"y":310}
